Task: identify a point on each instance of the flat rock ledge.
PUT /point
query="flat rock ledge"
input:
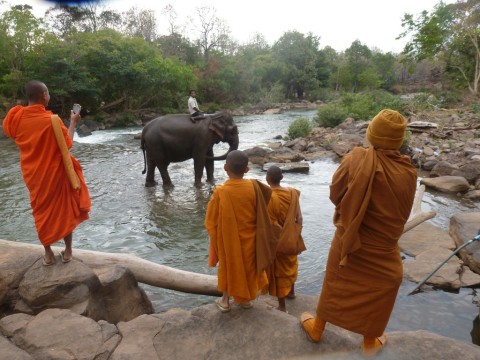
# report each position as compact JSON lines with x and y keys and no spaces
{"x":204,"y":333}
{"x":429,"y":245}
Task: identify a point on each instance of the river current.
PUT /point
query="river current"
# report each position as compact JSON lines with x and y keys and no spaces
{"x":167,"y":227}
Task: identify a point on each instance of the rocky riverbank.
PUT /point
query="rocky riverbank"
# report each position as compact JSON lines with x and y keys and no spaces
{"x":60,"y":316}
{"x":445,"y":149}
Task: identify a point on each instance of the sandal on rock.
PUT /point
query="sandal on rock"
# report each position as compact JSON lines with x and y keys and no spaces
{"x":379,"y":344}
{"x":62,"y":255}
{"x":305,"y":319}
{"x":45,"y":263}
{"x":220,"y":307}
{"x":248,"y":305}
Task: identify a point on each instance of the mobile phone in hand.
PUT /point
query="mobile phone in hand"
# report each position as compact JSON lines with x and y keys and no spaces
{"x":76,"y":108}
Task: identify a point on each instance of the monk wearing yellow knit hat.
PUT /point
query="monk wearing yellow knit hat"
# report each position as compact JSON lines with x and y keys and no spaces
{"x":373,"y":191}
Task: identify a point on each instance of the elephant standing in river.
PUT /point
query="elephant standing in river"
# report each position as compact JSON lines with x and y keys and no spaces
{"x":176,"y":138}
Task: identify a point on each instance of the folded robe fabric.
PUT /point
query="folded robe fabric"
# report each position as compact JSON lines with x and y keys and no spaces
{"x":62,"y":145}
{"x":57,"y":208}
{"x":364,"y":267}
{"x":284,"y":271}
{"x":231,"y":222}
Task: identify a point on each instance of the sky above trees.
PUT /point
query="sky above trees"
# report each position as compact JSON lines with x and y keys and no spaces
{"x":338,"y":23}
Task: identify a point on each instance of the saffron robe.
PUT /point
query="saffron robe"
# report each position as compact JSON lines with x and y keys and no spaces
{"x":284,"y":271}
{"x":231,"y":222}
{"x":57,"y":208}
{"x":373,"y":191}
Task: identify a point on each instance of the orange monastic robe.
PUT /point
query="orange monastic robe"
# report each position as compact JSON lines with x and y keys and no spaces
{"x":231,"y":223}
{"x":373,"y":191}
{"x":57,"y":208}
{"x":284,"y":271}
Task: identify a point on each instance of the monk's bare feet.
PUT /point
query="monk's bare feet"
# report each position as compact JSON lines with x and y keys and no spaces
{"x":66,"y":255}
{"x":49,"y":256}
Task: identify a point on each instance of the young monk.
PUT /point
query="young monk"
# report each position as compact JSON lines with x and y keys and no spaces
{"x":57,"y":207}
{"x":238,"y":224}
{"x":284,"y":208}
{"x":373,"y":191}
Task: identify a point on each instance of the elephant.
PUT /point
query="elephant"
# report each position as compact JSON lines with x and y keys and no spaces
{"x":178,"y":137}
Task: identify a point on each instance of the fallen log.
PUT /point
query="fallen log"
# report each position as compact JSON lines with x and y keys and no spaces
{"x":417,"y":215}
{"x":166,"y":277}
{"x":145,"y":271}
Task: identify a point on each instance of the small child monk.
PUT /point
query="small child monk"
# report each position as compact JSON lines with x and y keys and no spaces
{"x":238,"y":224}
{"x":283,"y":208}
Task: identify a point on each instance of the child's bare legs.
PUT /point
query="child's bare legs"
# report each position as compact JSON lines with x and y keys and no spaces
{"x":281,"y":304}
{"x":49,"y":256}
{"x":291,"y":294}
{"x":68,"y":247}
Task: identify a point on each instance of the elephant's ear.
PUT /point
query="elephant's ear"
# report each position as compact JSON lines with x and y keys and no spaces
{"x":218,"y":125}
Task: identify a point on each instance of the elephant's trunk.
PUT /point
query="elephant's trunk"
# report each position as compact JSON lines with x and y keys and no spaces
{"x":233,"y":142}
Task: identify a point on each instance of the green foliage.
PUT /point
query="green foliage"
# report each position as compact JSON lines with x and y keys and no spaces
{"x":330,"y":115}
{"x":475,"y":107}
{"x":300,"y":128}
{"x":363,"y":106}
{"x":125,"y":119}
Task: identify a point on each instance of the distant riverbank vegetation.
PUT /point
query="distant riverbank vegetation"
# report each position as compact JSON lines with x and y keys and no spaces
{"x":114,"y":62}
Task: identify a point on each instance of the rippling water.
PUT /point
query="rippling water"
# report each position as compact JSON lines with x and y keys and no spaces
{"x":167,"y":226}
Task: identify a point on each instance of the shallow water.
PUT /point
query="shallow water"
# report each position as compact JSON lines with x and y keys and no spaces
{"x":167,"y":226}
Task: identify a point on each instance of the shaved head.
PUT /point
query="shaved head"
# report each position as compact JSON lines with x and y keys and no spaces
{"x":274,"y":174}
{"x":35,"y":91}
{"x":237,"y":161}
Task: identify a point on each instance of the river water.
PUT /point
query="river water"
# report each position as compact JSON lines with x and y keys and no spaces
{"x":167,"y":226}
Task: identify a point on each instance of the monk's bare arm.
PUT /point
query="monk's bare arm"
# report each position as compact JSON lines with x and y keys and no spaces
{"x":73,"y":123}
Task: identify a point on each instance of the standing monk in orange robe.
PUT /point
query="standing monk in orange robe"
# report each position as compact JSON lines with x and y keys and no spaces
{"x":284,"y":271}
{"x":373,"y":191}
{"x":57,"y":207}
{"x":238,"y":224}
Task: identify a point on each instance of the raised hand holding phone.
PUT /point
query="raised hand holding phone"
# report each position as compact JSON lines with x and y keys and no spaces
{"x":76,"y":109}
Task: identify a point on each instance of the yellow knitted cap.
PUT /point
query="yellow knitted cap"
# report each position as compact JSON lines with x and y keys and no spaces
{"x":387,"y":130}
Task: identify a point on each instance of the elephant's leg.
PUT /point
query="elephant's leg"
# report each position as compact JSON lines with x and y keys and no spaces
{"x":209,"y":167}
{"x":198,"y":165}
{"x":150,"y":180}
{"x":167,"y":182}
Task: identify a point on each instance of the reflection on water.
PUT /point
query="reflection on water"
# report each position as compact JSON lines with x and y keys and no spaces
{"x":167,"y":227}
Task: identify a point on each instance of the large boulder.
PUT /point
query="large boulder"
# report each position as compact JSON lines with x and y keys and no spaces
{"x":60,"y":334}
{"x":296,"y":167}
{"x":447,"y":184}
{"x":431,"y":245}
{"x":443,"y":168}
{"x":464,"y":227}
{"x":110,"y":293}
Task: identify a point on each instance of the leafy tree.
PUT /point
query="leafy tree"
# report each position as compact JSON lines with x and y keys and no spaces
{"x":21,"y":32}
{"x":298,"y":53}
{"x":450,"y":33}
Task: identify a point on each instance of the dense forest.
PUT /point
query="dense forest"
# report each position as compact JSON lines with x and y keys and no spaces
{"x":116,"y":62}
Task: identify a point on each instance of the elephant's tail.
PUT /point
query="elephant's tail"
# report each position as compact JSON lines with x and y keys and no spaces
{"x":142,"y":146}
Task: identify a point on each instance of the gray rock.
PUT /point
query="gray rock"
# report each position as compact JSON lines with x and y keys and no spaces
{"x":83,"y":131}
{"x":448,"y":184}
{"x":119,"y":283}
{"x":428,"y":151}
{"x":424,"y":237}
{"x":443,"y":168}
{"x":296,"y":167}
{"x":473,"y":195}
{"x":67,"y":286}
{"x":61,"y":334}
{"x":429,"y":165}
{"x":9,"y":351}
{"x":464,"y":227}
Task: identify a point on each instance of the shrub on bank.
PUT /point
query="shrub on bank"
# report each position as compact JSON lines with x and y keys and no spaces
{"x":300,"y":128}
{"x":363,"y":106}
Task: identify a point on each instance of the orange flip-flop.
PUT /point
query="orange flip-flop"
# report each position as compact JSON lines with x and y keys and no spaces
{"x":379,"y":344}
{"x":304,"y":318}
